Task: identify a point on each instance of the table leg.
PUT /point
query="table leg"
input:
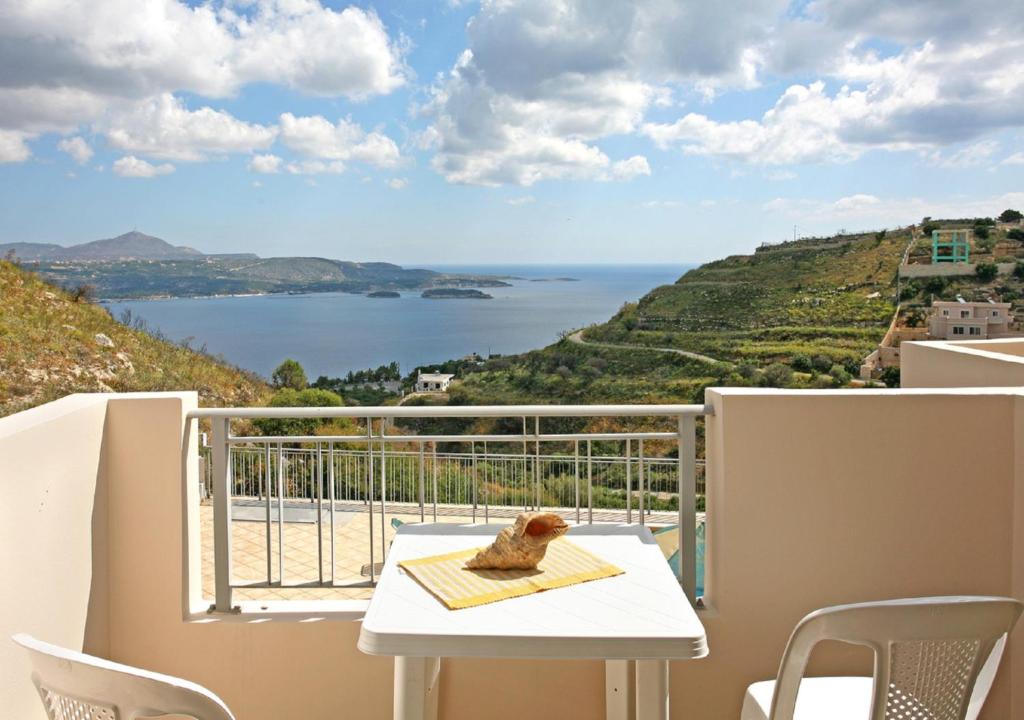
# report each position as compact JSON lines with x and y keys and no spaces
{"x":417,"y":682}
{"x":652,"y":690}
{"x":619,"y":690}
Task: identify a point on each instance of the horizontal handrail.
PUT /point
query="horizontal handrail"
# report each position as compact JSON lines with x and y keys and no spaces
{"x":529,"y":437}
{"x":461,"y":411}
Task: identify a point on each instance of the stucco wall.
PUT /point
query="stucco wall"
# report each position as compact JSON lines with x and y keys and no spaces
{"x":950,"y":365}
{"x":52,"y":538}
{"x":814,"y":498}
{"x":817,"y":498}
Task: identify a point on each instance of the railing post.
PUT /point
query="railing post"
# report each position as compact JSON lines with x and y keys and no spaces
{"x":222,"y":514}
{"x":687,"y":444}
{"x":422,"y":460}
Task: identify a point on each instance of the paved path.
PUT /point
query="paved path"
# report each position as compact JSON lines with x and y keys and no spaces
{"x":577,"y":337}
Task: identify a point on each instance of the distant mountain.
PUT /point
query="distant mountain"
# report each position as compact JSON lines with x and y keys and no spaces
{"x":130,"y":246}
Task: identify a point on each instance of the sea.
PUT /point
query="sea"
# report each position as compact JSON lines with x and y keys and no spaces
{"x":333,"y":333}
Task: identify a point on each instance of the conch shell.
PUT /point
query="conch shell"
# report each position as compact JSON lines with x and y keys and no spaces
{"x":522,"y":545}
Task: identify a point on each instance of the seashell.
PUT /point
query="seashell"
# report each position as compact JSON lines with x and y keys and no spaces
{"x":522,"y":545}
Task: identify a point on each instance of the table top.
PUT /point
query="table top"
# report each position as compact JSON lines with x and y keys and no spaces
{"x":641,"y":614}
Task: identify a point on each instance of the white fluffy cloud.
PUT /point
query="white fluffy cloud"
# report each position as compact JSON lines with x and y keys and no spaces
{"x":164,"y":128}
{"x":398,"y":183}
{"x":317,"y":137}
{"x":132,"y":167}
{"x":950,"y":88}
{"x":63,"y":65}
{"x":77,"y":148}
{"x":13,"y":147}
{"x":268,"y":164}
{"x":543,"y":81}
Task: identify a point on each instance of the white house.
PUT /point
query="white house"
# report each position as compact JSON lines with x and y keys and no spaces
{"x":433,"y":382}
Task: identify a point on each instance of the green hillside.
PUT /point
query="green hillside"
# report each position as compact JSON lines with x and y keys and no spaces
{"x":52,"y":344}
{"x":799,"y":314}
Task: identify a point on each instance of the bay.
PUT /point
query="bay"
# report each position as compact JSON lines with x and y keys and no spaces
{"x":332,"y":333}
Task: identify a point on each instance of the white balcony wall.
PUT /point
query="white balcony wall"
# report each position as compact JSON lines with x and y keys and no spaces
{"x":53,"y":550}
{"x":814,"y":498}
{"x":979,"y":363}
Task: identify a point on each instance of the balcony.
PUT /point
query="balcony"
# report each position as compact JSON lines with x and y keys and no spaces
{"x":812,"y":498}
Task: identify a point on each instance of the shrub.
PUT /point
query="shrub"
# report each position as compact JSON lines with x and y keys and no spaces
{"x":981,"y":232}
{"x":289,"y":397}
{"x":821,"y":363}
{"x":1015,"y":234}
{"x":891,"y":377}
{"x":1010,"y":215}
{"x":840,"y":377}
{"x":778,"y":375}
{"x":83,"y":293}
{"x":986,"y":272}
{"x":289,"y":374}
{"x":801,"y":363}
{"x":936,"y":285}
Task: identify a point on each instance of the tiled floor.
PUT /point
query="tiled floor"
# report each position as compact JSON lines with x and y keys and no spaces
{"x":302,"y":554}
{"x":305,"y":553}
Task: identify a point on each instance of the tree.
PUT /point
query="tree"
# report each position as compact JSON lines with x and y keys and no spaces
{"x":821,"y":363}
{"x":289,"y":374}
{"x":290,"y":397}
{"x":1015,"y":234}
{"x":986,"y":272}
{"x":83,"y":293}
{"x":981,"y":232}
{"x":1010,"y":216}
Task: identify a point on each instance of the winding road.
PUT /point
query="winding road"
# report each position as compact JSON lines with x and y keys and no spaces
{"x":577,"y":337}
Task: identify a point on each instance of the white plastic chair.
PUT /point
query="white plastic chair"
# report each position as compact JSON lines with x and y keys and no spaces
{"x":935,"y":659}
{"x":75,"y":686}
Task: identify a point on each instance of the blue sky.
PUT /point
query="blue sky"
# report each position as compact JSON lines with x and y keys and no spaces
{"x":526,"y":131}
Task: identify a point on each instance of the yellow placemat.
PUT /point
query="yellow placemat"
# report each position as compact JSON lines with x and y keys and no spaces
{"x":445,"y":576}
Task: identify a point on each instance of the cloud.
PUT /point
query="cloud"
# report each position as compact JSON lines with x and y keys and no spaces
{"x":164,"y":128}
{"x":583,"y":71}
{"x":315,"y":167}
{"x":397,"y":183}
{"x":979,"y":153}
{"x":267,"y":164}
{"x":865,"y":210}
{"x":77,"y":148}
{"x":13,"y":148}
{"x":924,"y":97}
{"x":132,"y":167}
{"x":317,"y":137}
{"x":631,"y":168}
{"x":521,"y":200}
{"x":1015,"y":159}
{"x":74,"y":61}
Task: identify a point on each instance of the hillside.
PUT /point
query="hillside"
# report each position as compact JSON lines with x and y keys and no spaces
{"x":52,"y":345}
{"x":129,"y":246}
{"x":798,"y":314}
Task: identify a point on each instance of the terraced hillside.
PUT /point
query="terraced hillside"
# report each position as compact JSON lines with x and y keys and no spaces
{"x":800,"y":314}
{"x":52,"y":344}
{"x":831,"y":297}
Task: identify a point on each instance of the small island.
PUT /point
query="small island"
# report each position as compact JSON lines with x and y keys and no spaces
{"x":383,"y":294}
{"x":557,"y":279}
{"x":455,"y":293}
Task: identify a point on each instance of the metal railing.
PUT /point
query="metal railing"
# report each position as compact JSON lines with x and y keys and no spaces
{"x":504,"y":477}
{"x":571,"y":472}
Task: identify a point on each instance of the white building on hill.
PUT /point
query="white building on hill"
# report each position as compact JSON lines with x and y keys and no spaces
{"x":433,"y":382}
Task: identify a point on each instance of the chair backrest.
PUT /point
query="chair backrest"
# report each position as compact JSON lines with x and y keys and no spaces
{"x":935,"y":658}
{"x":75,"y":686}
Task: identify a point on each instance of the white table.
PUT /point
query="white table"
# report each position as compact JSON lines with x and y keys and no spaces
{"x":640,"y":618}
